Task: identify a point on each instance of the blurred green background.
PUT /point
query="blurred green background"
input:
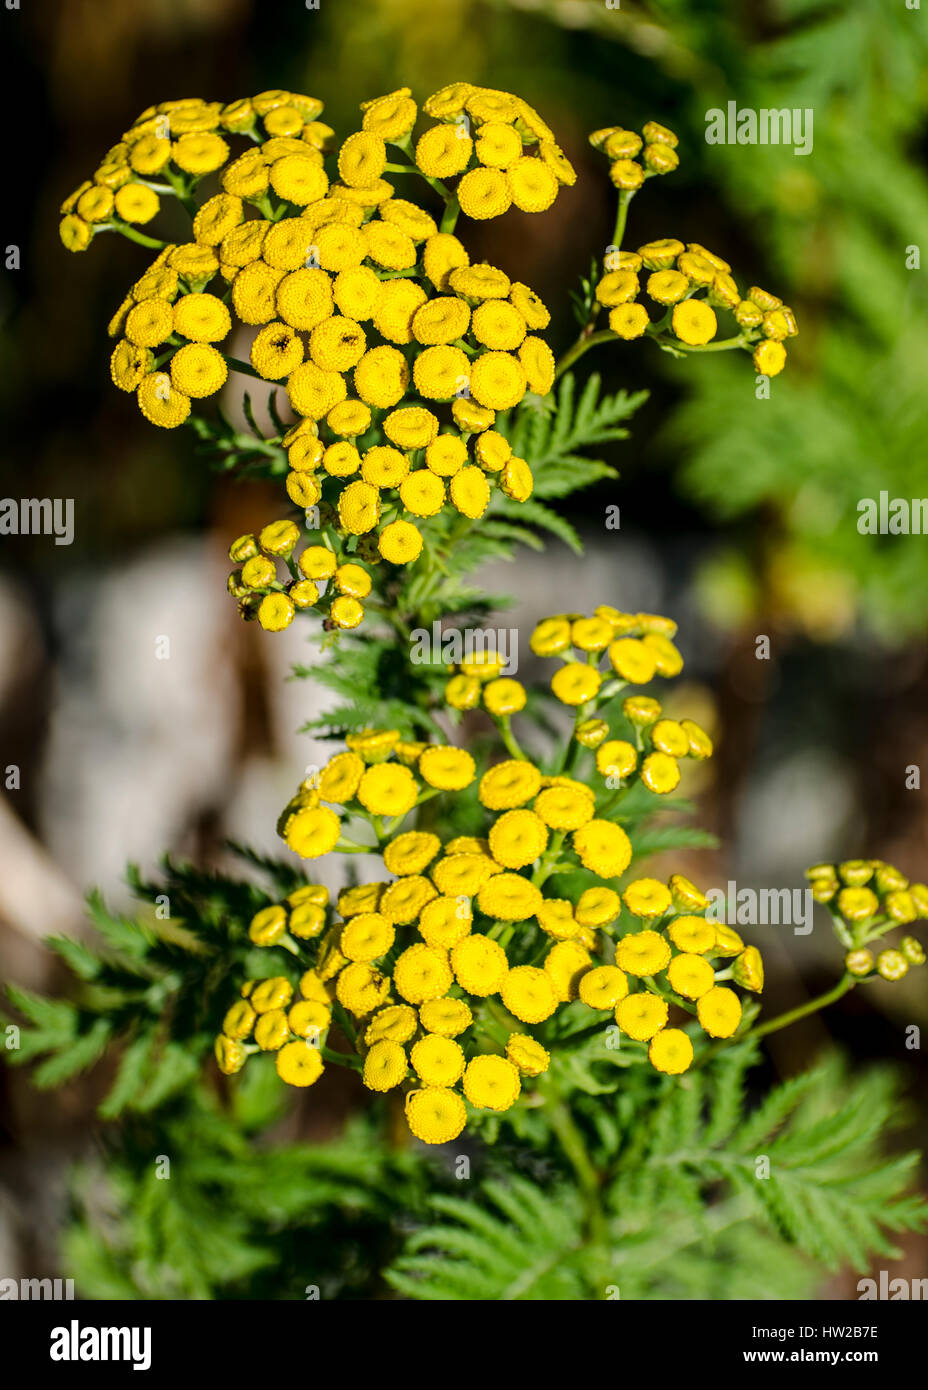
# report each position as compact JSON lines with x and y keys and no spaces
{"x":738,"y":515}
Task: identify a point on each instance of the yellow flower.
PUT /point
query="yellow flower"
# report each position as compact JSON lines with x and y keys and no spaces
{"x":479,"y":964}
{"x":270,"y":994}
{"x":129,"y":364}
{"x":616,"y":758}
{"x":670,"y":1051}
{"x":498,"y":145}
{"x":137,"y":203}
{"x":509,"y":898}
{"x":446,"y":1017}
{"x":445,"y":921}
{"x":565,"y":965}
{"x":858,"y":904}
{"x":484,"y":193}
{"x":435,"y":1115}
{"x":384,"y":1066}
{"x":443,"y":151}
{"x":267,"y":926}
{"x":272,"y":1030}
{"x":361,"y":988}
{"x":517,"y":838}
{"x":411,"y":852}
{"x":439,"y":371}
{"x":388,"y":789}
{"x":381,"y":377}
{"x":692,"y":934}
{"x":509,"y":784}
{"x":403,"y":901}
{"x":200,"y":154}
{"x":439,"y":1061}
{"x":216,"y":218}
{"x":422,"y":493}
{"x":491,"y":1083}
{"x":643,"y":953}
{"x":641,"y":1015}
{"x":239,"y":1020}
{"x":202,"y":317}
{"x":719,"y":1012}
{"x":647,"y":897}
{"x":400,"y":542}
{"x":748,"y":970}
{"x":368,"y":936}
{"x":533,"y":185}
{"x":254,"y":293}
{"x":276,"y":612}
{"x":411,"y":428}
{"x":576,"y":683}
{"x":660,"y":773}
{"x":694,"y":323}
{"x":690,"y":975}
{"x":603,"y":987}
{"x":527,"y":1055}
{"x":632,"y":660}
{"x":298,"y":179}
{"x":388,"y":246}
{"x":528,"y":994}
{"x":421,"y":972}
{"x":338,"y":246}
{"x":497,"y":380}
{"x":565,"y":808}
{"x":450,"y":769}
{"x":396,"y":1023}
{"x":603,"y":848}
{"x":337,"y":344}
{"x":396,"y":308}
{"x":149,"y":323}
{"x":276,"y":351}
{"x":538,"y":360}
{"x":504,"y":696}
{"x":313,"y":832}
{"x":303,"y":298}
{"x":160,"y":402}
{"x":198,"y":370}
{"x":470,"y":492}
{"x":598,"y":906}
{"x":299,"y":1064}
{"x":769,"y":357}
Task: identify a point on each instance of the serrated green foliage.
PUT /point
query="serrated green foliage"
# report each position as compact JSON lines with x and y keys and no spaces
{"x":229,"y":1218}
{"x":551,"y":441}
{"x":156,"y":989}
{"x":520,"y":1242}
{"x":684,"y":1209}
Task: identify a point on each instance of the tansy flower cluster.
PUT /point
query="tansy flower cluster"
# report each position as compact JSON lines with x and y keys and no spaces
{"x":633,"y":157}
{"x":493,"y":149}
{"x":674,"y":290}
{"x":868,"y":899}
{"x":170,"y":147}
{"x":395,"y":352}
{"x":449,"y":977}
{"x":272,"y":583}
{"x":632,"y":649}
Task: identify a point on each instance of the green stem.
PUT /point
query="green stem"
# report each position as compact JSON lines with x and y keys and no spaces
{"x":125,"y":230}
{"x":604,"y":335}
{"x":773,"y":1025}
{"x":245,"y":368}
